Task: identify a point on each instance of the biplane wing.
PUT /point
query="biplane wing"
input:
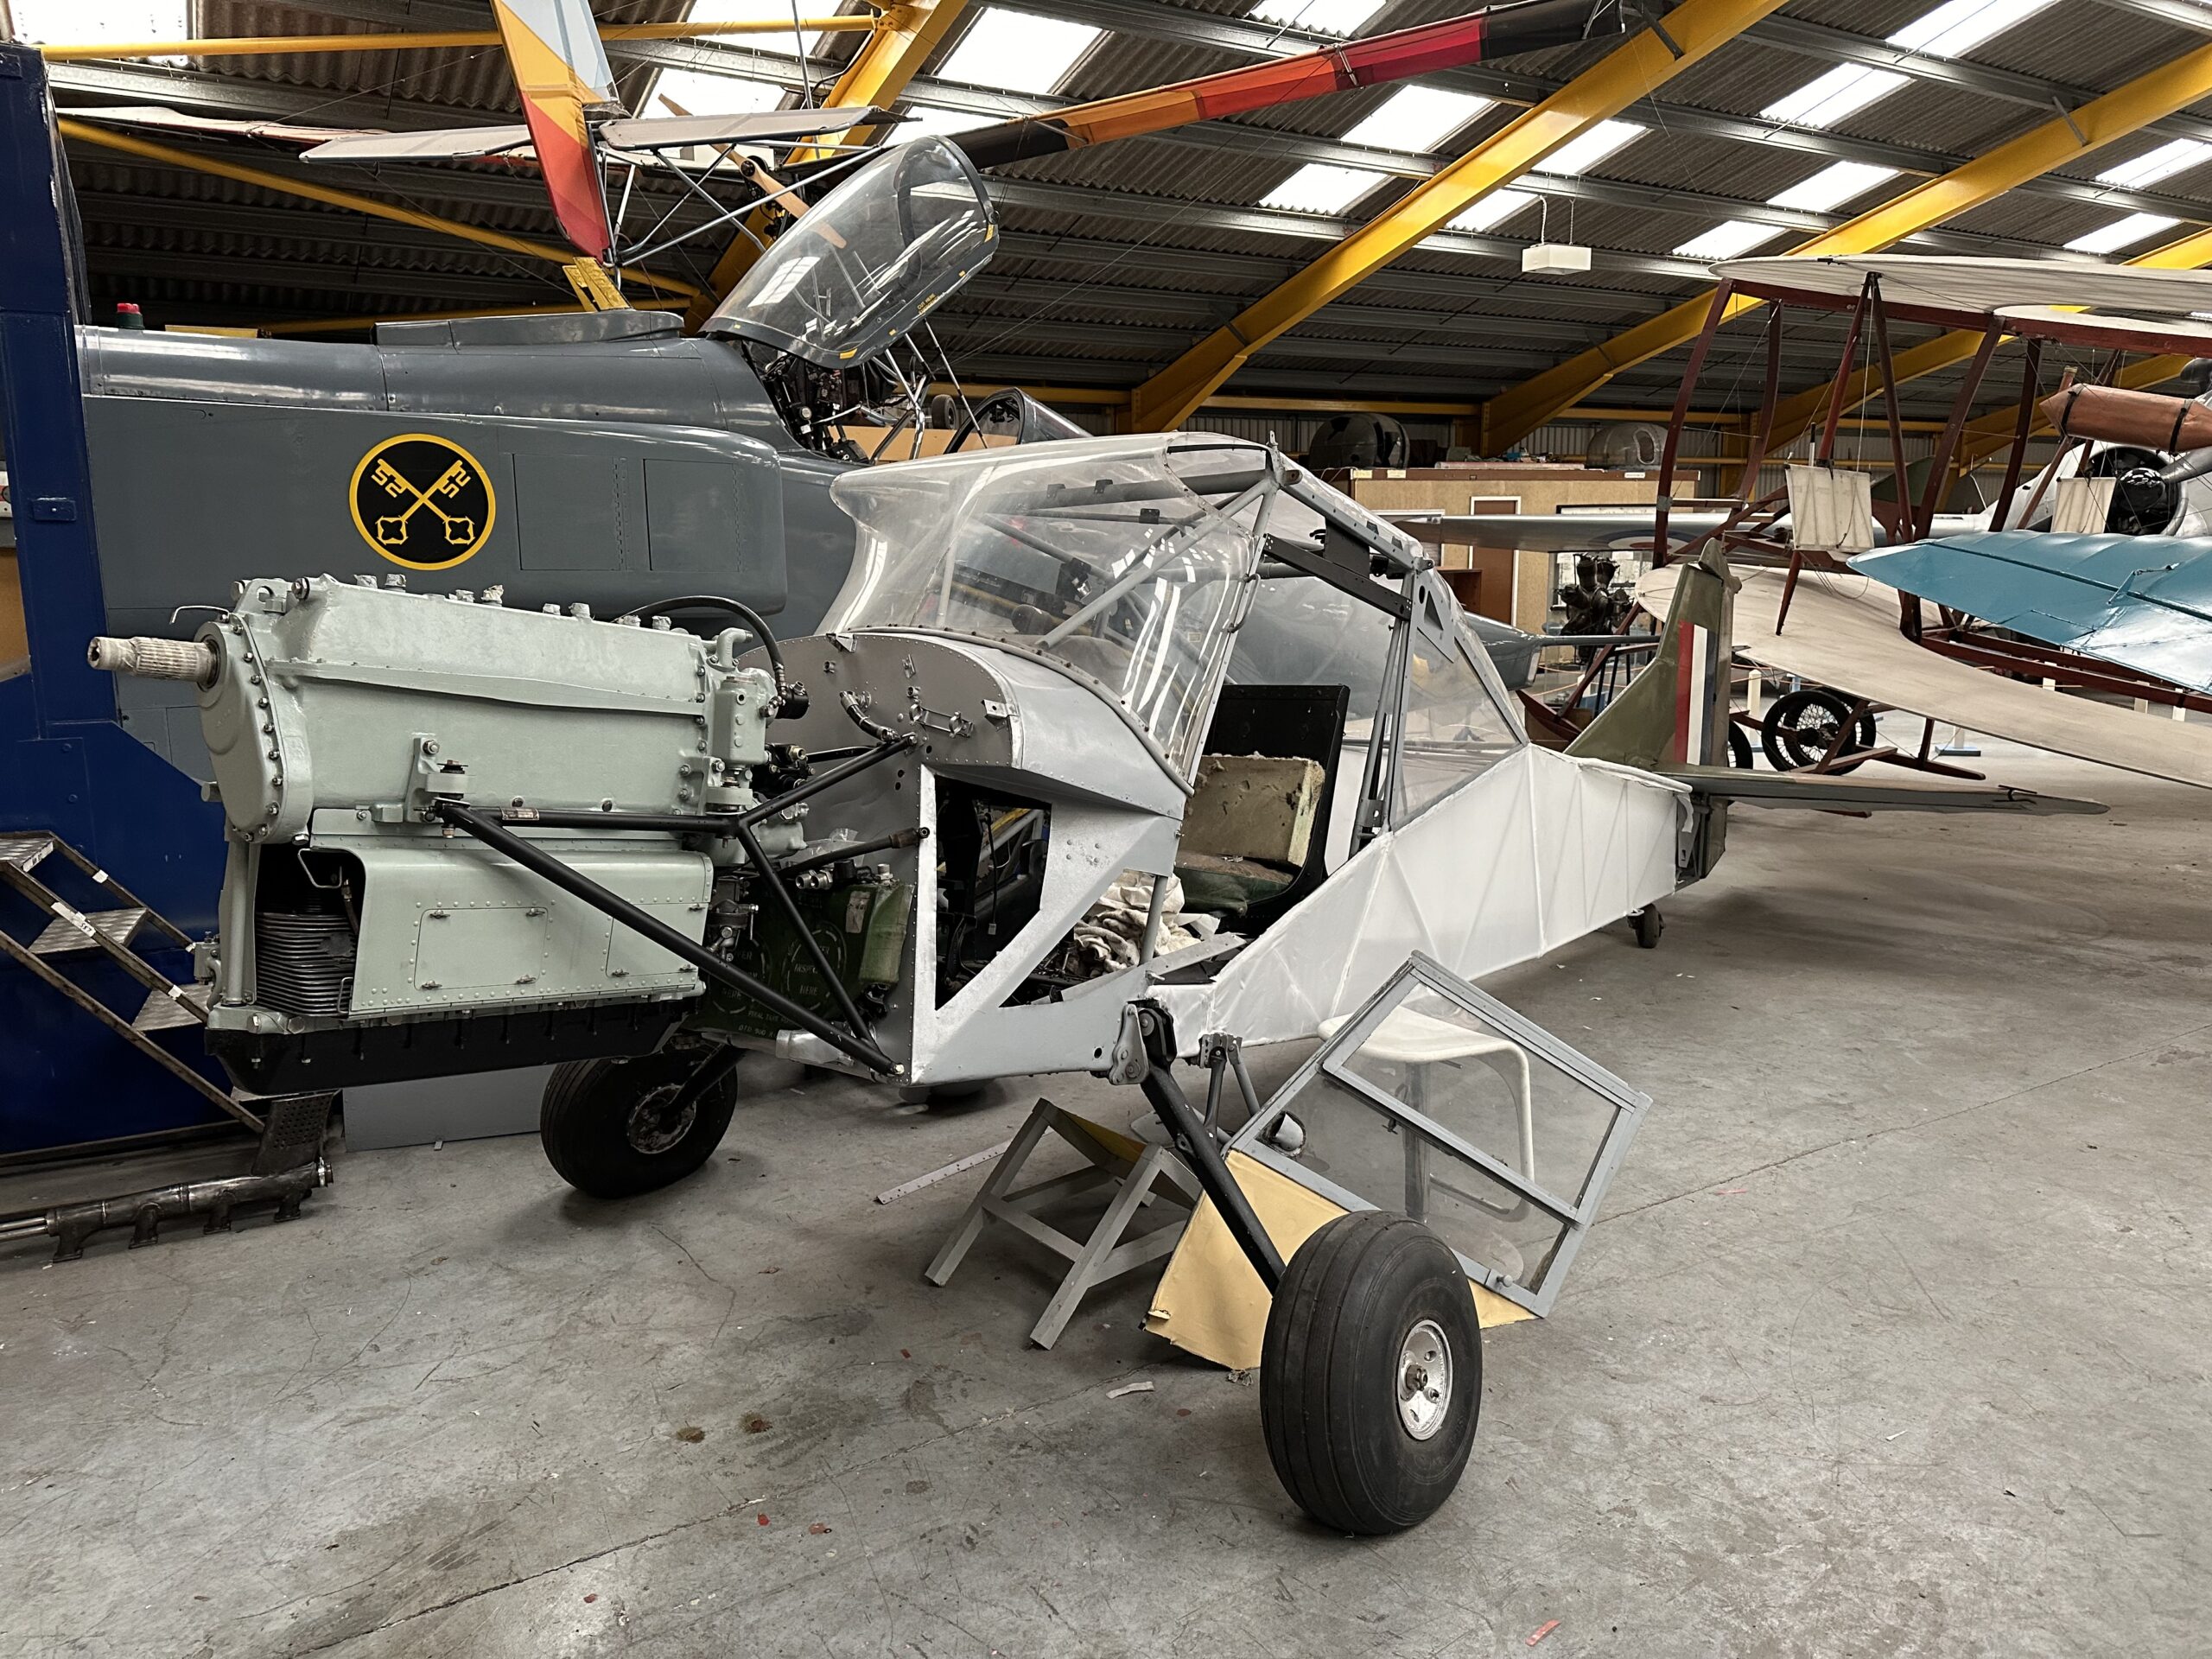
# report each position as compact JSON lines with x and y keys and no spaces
{"x":2142,"y":601}
{"x":1842,"y":631}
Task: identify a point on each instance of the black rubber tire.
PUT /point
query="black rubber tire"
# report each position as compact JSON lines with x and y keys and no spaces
{"x":1330,"y":1370}
{"x":942,"y":1094}
{"x":585,"y":1118}
{"x":1801,"y":724}
{"x":1739,"y":747}
{"x":1648,"y":925}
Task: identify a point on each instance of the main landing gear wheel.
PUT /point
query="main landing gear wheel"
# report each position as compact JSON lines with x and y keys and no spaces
{"x":1801,"y":728}
{"x":615,"y":1128}
{"x":1739,"y":747}
{"x":1371,"y":1374}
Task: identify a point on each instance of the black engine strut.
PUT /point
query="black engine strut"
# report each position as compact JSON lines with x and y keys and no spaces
{"x":1195,"y":1143}
{"x":540,"y":862}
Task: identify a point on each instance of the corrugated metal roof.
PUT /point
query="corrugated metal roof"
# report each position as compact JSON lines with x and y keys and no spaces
{"x":1076,"y":284}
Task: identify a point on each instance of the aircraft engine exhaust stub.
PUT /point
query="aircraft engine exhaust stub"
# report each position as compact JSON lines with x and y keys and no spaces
{"x":192,"y":660}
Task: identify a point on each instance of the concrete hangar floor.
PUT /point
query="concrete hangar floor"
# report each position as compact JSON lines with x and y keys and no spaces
{"x":1892,"y":1340}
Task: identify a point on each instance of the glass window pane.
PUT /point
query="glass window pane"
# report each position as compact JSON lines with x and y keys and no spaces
{"x":1410,"y":1104}
{"x":1462,"y":1073}
{"x":1453,"y":729}
{"x":1354,"y":1145}
{"x":1114,"y":556}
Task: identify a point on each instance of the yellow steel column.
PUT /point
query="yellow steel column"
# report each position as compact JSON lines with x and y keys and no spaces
{"x":904,"y":37}
{"x":84,"y":132}
{"x":1626,"y":73}
{"x":2148,"y":98}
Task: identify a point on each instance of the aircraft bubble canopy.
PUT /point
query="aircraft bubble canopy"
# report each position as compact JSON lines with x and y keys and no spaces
{"x":862,"y":267}
{"x":1130,"y":560}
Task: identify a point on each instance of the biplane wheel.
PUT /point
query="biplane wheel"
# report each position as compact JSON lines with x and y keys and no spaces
{"x":1371,"y":1374}
{"x":611,"y":1128}
{"x":1648,"y":925}
{"x":1739,"y":747}
{"x":1802,"y":725}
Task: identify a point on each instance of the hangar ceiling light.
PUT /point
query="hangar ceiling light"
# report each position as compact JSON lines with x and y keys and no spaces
{"x":2163,"y":163}
{"x":1493,"y":209}
{"x":1832,"y":186}
{"x":751,"y":11}
{"x":694,"y":91}
{"x":1417,"y":118}
{"x":87,"y":22}
{"x":1949,"y":30}
{"x":2122,"y":233}
{"x":1580,"y":155}
{"x":1017,"y":51}
{"x":1727,"y":239}
{"x":1318,"y":187}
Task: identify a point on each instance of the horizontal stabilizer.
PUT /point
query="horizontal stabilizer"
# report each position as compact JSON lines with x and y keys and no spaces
{"x":758,"y":127}
{"x":170,"y":120}
{"x":439,"y":145}
{"x":1856,"y":794}
{"x":1622,"y":529}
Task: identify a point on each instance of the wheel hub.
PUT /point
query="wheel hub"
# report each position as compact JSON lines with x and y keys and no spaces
{"x":653,"y":1126}
{"x":1424,"y":1379}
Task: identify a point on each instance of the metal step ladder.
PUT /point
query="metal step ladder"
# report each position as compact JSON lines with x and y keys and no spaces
{"x":72,"y":932}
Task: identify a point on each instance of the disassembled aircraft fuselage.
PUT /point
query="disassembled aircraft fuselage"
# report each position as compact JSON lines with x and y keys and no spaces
{"x":464,"y":834}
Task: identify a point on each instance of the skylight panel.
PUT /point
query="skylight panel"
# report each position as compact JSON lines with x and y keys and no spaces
{"x":1959,"y":25}
{"x":2122,"y":233}
{"x":2163,"y":163}
{"x":1827,"y":99}
{"x":1727,"y":239}
{"x":1580,"y":155}
{"x":1417,"y":118}
{"x":1317,"y":188}
{"x":1949,"y":30}
{"x":1322,"y":16}
{"x":1017,"y":51}
{"x":1832,"y":186}
{"x":785,"y":45}
{"x":90,"y":23}
{"x":1493,"y":209}
{"x":694,"y":91}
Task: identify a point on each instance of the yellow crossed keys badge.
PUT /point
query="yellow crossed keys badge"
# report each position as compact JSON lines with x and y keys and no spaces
{"x":422,"y":501}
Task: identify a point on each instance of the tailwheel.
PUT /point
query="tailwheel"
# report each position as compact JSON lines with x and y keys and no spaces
{"x":1801,"y":728}
{"x":1648,"y":925}
{"x":1371,"y":1374}
{"x":617,"y":1127}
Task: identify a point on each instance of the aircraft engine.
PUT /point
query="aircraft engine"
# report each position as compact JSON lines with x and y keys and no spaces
{"x":465,"y":835}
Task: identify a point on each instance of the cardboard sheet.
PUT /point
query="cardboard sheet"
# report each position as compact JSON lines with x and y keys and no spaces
{"x":1842,"y":631}
{"x":1212,"y":1304}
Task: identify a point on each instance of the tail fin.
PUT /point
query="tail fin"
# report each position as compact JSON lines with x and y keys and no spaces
{"x":1675,"y":712}
{"x":560,"y":66}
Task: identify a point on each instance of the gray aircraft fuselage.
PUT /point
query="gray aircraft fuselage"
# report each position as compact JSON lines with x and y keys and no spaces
{"x":600,"y":458}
